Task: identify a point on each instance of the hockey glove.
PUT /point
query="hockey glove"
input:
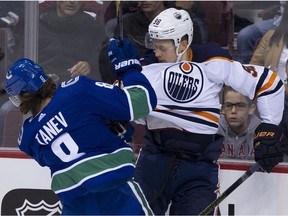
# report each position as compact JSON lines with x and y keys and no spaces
{"x":123,"y":57}
{"x":121,"y":128}
{"x":268,"y":146}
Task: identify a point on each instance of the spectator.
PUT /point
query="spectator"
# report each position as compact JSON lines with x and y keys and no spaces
{"x":11,"y":19}
{"x":90,"y":166}
{"x":136,"y":25}
{"x":128,"y":8}
{"x":248,"y":36}
{"x":237,"y":124}
{"x":219,"y":22}
{"x":181,"y":142}
{"x":69,"y":41}
{"x":272,"y":51}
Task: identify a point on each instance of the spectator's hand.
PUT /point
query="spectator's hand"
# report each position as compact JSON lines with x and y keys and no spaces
{"x":269,"y":143}
{"x":81,"y":68}
{"x":123,"y":57}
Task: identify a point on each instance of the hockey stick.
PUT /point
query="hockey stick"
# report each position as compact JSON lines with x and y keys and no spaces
{"x":119,"y":15}
{"x":235,"y":185}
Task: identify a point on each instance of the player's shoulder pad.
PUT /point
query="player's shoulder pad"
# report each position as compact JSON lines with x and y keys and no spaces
{"x":203,"y":52}
{"x":156,"y":67}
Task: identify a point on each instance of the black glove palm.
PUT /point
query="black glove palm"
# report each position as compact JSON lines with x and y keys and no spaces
{"x":122,"y":129}
{"x":268,"y":146}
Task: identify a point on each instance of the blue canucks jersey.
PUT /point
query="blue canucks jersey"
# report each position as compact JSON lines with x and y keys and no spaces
{"x":70,"y":135}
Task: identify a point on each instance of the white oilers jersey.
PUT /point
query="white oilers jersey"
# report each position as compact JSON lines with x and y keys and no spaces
{"x":188,"y":93}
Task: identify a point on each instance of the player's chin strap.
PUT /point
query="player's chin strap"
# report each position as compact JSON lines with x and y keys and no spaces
{"x":179,"y":55}
{"x":15,"y":100}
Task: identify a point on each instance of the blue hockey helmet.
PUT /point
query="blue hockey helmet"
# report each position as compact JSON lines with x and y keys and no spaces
{"x":25,"y":75}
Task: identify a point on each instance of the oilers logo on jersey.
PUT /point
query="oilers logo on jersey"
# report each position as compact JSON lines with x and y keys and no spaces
{"x":181,"y":87}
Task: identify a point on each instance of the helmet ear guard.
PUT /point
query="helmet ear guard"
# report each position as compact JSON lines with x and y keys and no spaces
{"x":25,"y":75}
{"x":15,"y":100}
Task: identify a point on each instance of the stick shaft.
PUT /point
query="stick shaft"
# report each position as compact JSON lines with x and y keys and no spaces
{"x":119,"y":15}
{"x":229,"y":190}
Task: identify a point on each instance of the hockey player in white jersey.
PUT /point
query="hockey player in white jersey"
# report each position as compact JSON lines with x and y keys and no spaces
{"x":92,"y":169}
{"x":178,"y":163}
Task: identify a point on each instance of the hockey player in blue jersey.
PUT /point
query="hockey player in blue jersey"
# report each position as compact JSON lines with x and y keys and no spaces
{"x":177,"y":167}
{"x":92,"y":169}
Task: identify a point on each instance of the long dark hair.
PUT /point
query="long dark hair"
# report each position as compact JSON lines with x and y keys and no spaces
{"x":281,"y":31}
{"x":30,"y":102}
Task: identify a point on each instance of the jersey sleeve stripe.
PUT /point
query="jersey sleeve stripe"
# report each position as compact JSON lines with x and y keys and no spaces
{"x":261,"y":81}
{"x":139,"y":101}
{"x":279,"y":85}
{"x":91,"y":168}
{"x":267,"y":85}
{"x":139,"y":195}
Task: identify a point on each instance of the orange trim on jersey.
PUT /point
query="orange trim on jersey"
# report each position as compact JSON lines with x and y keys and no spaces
{"x":208,"y":116}
{"x":190,"y":54}
{"x":219,"y":58}
{"x":268,"y":84}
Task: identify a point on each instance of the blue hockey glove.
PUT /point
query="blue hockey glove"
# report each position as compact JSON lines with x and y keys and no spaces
{"x":269,"y":144}
{"x":123,"y":57}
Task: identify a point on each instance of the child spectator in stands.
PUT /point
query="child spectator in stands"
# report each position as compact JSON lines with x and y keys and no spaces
{"x":237,"y":124}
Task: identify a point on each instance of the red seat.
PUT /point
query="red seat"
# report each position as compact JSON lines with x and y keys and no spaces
{"x":219,"y":19}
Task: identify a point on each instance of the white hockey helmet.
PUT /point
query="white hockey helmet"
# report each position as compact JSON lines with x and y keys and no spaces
{"x":172,"y":24}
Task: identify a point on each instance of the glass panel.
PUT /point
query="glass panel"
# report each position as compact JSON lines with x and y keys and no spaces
{"x":70,"y":38}
{"x":12,"y":19}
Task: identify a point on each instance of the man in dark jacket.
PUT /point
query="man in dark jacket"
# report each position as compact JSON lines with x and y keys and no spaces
{"x":69,"y":41}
